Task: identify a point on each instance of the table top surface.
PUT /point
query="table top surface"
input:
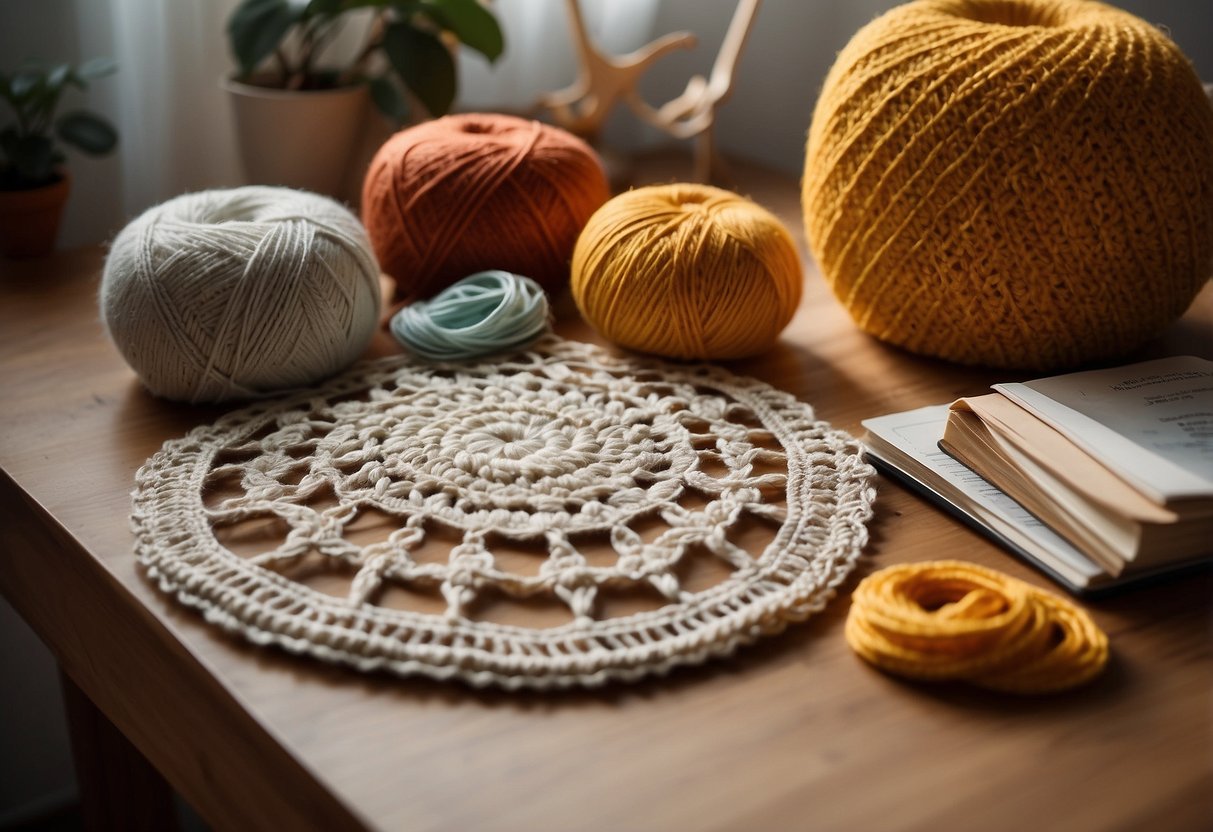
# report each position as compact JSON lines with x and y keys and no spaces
{"x":794,"y":732}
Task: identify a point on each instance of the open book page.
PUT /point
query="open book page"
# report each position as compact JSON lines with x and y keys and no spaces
{"x":1062,"y":459}
{"x":1104,"y":538}
{"x":915,"y":435}
{"x":1151,"y":423}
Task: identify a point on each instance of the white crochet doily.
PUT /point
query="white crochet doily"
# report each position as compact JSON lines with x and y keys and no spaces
{"x":560,"y":447}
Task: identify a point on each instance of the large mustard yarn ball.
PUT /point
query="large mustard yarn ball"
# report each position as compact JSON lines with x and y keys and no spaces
{"x":1012,"y":183}
{"x":686,"y":271}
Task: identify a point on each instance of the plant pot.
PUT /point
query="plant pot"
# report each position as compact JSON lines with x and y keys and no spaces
{"x":299,"y":139}
{"x":29,"y":219}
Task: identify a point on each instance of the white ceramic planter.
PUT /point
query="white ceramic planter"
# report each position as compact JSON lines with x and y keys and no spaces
{"x":298,"y":139}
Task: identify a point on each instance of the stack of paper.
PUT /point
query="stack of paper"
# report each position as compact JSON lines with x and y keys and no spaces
{"x":1098,"y":477}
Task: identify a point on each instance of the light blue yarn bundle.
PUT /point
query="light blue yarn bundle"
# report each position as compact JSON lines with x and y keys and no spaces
{"x":487,"y":312}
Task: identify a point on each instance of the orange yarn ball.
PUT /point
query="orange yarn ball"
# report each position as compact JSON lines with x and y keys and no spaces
{"x":687,"y":271}
{"x":467,"y":193}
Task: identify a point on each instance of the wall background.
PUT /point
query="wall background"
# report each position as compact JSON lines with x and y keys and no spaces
{"x":177,"y":136}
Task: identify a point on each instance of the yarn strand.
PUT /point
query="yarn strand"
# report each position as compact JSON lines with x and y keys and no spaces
{"x":487,"y":312}
{"x":953,"y":620}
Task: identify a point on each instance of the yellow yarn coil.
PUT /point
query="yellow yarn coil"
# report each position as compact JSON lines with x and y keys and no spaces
{"x":954,"y":620}
{"x":686,"y":271}
{"x":1013,"y":183}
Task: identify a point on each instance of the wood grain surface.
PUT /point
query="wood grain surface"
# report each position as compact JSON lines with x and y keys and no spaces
{"x":793,"y":733}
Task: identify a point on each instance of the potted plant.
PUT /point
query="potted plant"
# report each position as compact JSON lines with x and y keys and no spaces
{"x":298,"y":117}
{"x":33,"y":184}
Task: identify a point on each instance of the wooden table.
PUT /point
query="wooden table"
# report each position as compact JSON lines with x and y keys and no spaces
{"x":794,"y":733}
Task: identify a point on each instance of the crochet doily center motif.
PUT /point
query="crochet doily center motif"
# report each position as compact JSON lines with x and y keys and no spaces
{"x":614,"y":472}
{"x":511,"y":453}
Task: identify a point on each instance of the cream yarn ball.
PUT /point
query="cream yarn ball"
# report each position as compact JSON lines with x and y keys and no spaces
{"x":233,"y":294}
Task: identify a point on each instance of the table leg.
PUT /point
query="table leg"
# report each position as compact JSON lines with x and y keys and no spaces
{"x":119,"y":788}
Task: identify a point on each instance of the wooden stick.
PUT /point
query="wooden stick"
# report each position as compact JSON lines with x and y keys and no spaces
{"x":584,"y":106}
{"x":693,"y":114}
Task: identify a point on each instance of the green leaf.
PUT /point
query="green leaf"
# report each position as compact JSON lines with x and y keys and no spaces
{"x":257,"y":27}
{"x":388,"y":99}
{"x":45,"y":105}
{"x":96,"y":68}
{"x":424,"y":64}
{"x":328,"y":8}
{"x":57,"y":77}
{"x":25,"y":84}
{"x":472,"y":23}
{"x":89,"y":132}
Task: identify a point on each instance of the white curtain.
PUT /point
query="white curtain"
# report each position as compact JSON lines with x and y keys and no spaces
{"x":173,"y":123}
{"x":174,"y":120}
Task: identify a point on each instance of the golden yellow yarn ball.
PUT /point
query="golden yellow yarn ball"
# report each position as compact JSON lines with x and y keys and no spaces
{"x":686,"y":271}
{"x":1013,"y":183}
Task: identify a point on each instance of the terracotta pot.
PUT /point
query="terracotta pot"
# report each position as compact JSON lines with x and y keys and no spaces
{"x":29,"y":219}
{"x":298,"y":139}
